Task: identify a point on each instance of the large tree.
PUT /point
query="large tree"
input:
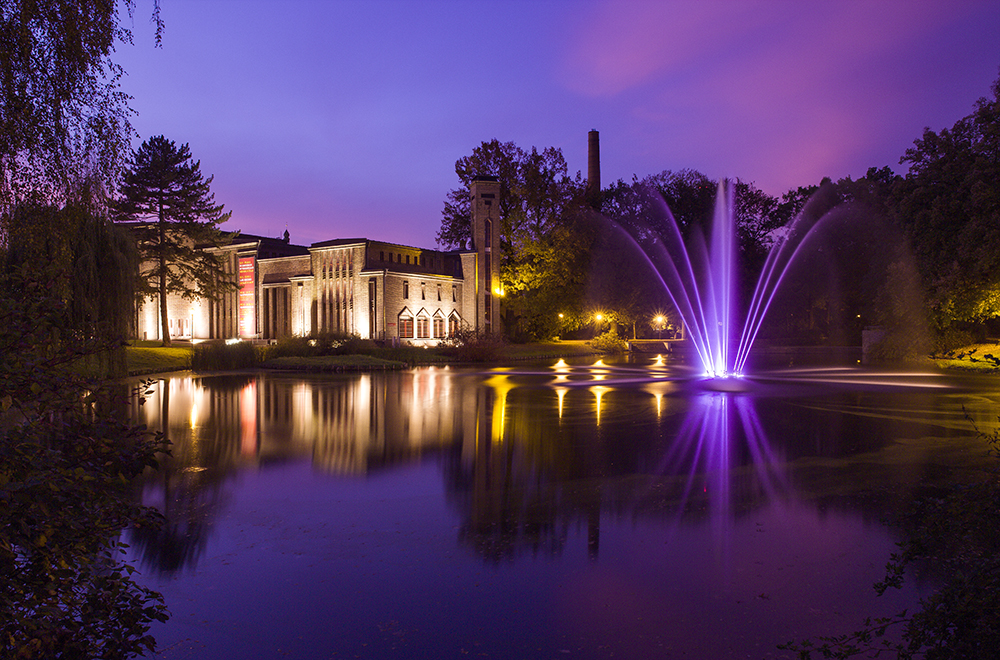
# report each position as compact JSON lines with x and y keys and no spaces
{"x":174,"y":218}
{"x":543,"y":246}
{"x":949,"y":204}
{"x":63,"y":117}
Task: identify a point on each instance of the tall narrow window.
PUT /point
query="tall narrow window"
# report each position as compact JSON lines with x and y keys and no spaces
{"x":454,"y":293}
{"x":439,"y":293}
{"x":406,"y":289}
{"x":423,"y":290}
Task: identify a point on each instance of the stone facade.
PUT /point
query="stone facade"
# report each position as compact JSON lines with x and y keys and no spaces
{"x":372,"y":289}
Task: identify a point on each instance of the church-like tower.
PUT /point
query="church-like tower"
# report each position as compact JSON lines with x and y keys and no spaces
{"x":485,"y":208}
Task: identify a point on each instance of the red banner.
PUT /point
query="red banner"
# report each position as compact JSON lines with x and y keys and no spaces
{"x":248,"y":325}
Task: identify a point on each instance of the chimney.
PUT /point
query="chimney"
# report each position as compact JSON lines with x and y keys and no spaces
{"x":593,"y":163}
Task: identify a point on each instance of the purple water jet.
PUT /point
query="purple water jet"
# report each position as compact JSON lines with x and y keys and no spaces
{"x":699,"y":278}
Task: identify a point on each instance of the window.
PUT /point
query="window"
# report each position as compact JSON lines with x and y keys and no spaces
{"x":407,"y":260}
{"x":406,"y":327}
{"x":381,"y":256}
{"x":439,"y":293}
{"x":423,"y":327}
{"x":423,"y":290}
{"x":406,"y":289}
{"x":453,"y":325}
{"x":438,"y":327}
{"x":454,"y":293}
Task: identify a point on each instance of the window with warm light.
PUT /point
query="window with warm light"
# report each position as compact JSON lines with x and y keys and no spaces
{"x":406,"y":327}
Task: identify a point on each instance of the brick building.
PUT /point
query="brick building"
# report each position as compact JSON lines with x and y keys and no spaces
{"x":373,"y":289}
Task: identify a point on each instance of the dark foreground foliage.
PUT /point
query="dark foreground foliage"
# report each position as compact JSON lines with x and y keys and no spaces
{"x":68,"y":460}
{"x":956,"y":532}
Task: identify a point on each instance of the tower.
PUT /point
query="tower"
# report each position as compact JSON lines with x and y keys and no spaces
{"x":485,"y":208}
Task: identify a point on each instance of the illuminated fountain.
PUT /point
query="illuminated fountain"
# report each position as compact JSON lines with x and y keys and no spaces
{"x":700,"y":281}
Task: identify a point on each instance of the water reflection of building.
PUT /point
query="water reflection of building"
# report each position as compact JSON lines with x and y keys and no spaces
{"x":373,"y":289}
{"x":346,"y":424}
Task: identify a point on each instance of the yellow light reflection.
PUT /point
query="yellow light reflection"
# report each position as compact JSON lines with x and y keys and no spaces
{"x":193,"y":419}
{"x":501,"y":386}
{"x":598,"y":395}
{"x":561,"y":393}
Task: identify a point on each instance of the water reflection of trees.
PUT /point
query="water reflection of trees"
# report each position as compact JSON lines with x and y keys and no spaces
{"x":530,"y":460}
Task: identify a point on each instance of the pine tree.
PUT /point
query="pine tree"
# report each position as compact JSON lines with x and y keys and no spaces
{"x":174,"y":218}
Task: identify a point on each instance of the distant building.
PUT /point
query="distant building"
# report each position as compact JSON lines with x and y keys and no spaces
{"x":372,"y":289}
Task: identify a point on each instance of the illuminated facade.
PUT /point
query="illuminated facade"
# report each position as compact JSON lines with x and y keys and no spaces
{"x":372,"y":289}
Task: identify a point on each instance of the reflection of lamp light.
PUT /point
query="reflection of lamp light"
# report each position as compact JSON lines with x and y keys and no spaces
{"x":598,"y":394}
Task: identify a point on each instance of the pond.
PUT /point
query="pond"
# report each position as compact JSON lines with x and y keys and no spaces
{"x":556,"y":510}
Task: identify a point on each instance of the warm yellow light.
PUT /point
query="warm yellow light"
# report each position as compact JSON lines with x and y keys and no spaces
{"x":659,"y":320}
{"x":498,"y":291}
{"x":598,"y":316}
{"x":560,"y":314}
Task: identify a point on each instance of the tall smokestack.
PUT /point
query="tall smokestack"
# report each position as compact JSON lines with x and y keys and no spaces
{"x":593,"y":163}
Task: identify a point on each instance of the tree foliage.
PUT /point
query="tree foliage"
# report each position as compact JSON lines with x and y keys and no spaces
{"x":89,"y":264}
{"x":174,"y":217}
{"x":63,"y":118}
{"x":543,"y":243}
{"x":68,"y":460}
{"x":949,"y":205}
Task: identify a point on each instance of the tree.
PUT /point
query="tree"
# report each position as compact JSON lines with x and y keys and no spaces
{"x":68,"y":459}
{"x":63,"y":118}
{"x":543,"y":249}
{"x":90,"y":264}
{"x":174,"y":217}
{"x":949,"y":205}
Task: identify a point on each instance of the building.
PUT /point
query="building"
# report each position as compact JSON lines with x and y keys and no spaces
{"x":372,"y":289}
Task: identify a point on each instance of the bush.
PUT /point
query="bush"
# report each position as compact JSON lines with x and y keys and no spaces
{"x":471,"y":346}
{"x":216,"y":357}
{"x":609,"y":342}
{"x":952,"y":338}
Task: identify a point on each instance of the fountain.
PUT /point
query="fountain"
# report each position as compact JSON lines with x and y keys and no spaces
{"x":699,"y":279}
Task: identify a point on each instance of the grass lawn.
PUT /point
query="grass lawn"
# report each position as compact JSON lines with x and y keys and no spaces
{"x":146,"y":357}
{"x":971,"y":358}
{"x":550,"y":349}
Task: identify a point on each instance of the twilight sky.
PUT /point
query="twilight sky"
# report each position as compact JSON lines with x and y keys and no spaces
{"x":344,"y":118}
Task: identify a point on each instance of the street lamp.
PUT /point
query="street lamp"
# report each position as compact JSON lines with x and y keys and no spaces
{"x":659,"y":320}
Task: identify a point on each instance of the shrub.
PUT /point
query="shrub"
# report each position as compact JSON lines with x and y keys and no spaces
{"x":471,"y":346}
{"x":216,"y":357}
{"x":952,"y":338}
{"x":609,"y":342}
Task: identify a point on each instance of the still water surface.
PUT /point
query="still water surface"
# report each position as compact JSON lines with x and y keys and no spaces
{"x":539,"y":511}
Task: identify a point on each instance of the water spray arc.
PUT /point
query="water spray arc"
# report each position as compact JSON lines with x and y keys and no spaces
{"x":699,"y":277}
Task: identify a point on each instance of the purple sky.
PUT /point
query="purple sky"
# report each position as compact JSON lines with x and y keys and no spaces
{"x":344,"y":118}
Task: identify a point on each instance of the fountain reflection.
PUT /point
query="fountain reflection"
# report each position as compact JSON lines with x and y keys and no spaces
{"x":528,"y":454}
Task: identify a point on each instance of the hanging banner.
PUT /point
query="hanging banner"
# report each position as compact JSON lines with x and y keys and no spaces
{"x":247,"y":310}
